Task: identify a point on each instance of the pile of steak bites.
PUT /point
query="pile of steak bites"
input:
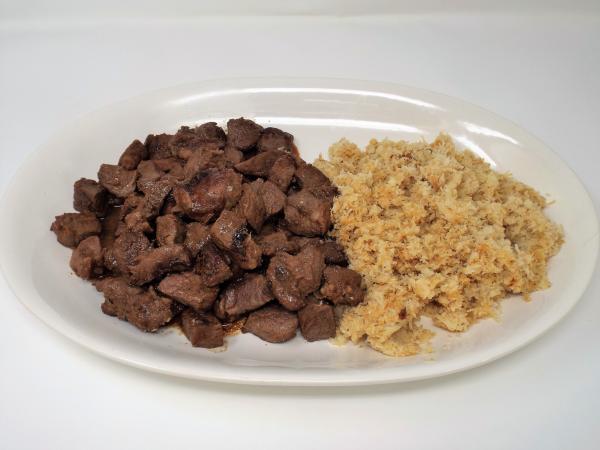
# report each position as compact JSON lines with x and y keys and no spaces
{"x":215,"y":230}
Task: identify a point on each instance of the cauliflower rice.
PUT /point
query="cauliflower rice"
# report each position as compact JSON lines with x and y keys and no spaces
{"x":435,"y":232}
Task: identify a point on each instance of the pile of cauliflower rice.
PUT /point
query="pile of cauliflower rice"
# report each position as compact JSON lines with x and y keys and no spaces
{"x":435,"y":232}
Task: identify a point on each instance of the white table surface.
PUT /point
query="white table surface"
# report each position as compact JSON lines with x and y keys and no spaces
{"x":541,"y":71}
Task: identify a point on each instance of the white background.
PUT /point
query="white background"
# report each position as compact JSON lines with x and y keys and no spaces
{"x":538,"y":67}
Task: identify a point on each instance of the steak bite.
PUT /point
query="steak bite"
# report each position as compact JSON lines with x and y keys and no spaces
{"x":159,"y":146}
{"x":201,"y":159}
{"x":342,"y":286}
{"x":136,"y":223}
{"x":117,"y":180}
{"x":242,"y":133}
{"x":109,"y":224}
{"x":306,"y":214}
{"x":185,"y":142}
{"x":275,"y":139}
{"x":155,"y":193}
{"x":259,"y":201}
{"x":138,"y":210}
{"x":209,"y":193}
{"x":282,"y":172}
{"x":334,"y":253}
{"x":90,"y":196}
{"x":202,"y":329}
{"x":133,"y":155}
{"x":140,"y":307}
{"x":147,"y":171}
{"x":212,"y":265}
{"x":130,"y":204}
{"x":273,"y":198}
{"x":173,"y":167}
{"x":159,"y":261}
{"x":251,"y":204}
{"x":169,"y":230}
{"x":189,"y":289}
{"x":187,"y":139}
{"x":243,"y":295}
{"x":132,"y":218}
{"x":86,"y":259}
{"x":170,"y":205}
{"x":272,"y":324}
{"x":72,"y":228}
{"x":275,"y":242}
{"x":124,"y":251}
{"x":314,"y":181}
{"x":230,"y":233}
{"x":232,"y":156}
{"x":210,"y":132}
{"x":317,"y":321}
{"x":259,"y":165}
{"x":292,"y":278}
{"x":197,"y":236}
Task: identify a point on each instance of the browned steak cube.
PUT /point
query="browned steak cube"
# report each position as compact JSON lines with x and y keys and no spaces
{"x":110,"y":223}
{"x":117,"y":180}
{"x":90,"y":196}
{"x":168,"y":164}
{"x":272,"y":324}
{"x":135,"y":222}
{"x":72,"y":228}
{"x":292,"y":278}
{"x":212,"y":133}
{"x":147,"y":171}
{"x":212,"y":265}
{"x":229,"y":230}
{"x":185,"y":141}
{"x":143,"y":308}
{"x":307,"y":215}
{"x":191,"y":139}
{"x":124,"y":251}
{"x":273,"y":198}
{"x":189,"y":289}
{"x":197,"y":236}
{"x":282,"y":171}
{"x":342,"y":286}
{"x":259,"y":165}
{"x":244,"y":295}
{"x":86,"y":259}
{"x":208,"y":194}
{"x":275,"y":242}
{"x":251,"y":204}
{"x":169,"y":230}
{"x":202,"y":329}
{"x":317,"y":321}
{"x":157,"y":262}
{"x":275,"y":139}
{"x":159,"y":146}
{"x":315,"y":181}
{"x":230,"y":233}
{"x":232,"y":156}
{"x":133,"y":155}
{"x":334,"y":253}
{"x":131,"y":203}
{"x":242,"y":133}
{"x":199,"y":160}
{"x":155,"y":194}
